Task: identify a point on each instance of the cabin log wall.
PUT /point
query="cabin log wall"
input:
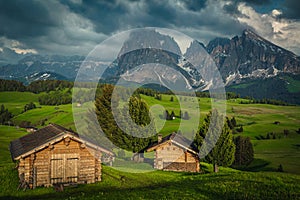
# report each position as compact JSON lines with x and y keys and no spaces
{"x":170,"y":157}
{"x":36,"y":168}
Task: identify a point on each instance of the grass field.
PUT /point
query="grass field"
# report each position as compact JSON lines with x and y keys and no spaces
{"x":61,"y":114}
{"x":8,"y":134}
{"x":257,"y":119}
{"x":15,"y":101}
{"x":227,"y":184}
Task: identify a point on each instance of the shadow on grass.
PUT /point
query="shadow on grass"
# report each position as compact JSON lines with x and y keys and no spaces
{"x":221,"y":186}
{"x":257,"y":165}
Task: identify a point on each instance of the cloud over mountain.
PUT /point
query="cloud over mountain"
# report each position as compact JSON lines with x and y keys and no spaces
{"x":75,"y":26}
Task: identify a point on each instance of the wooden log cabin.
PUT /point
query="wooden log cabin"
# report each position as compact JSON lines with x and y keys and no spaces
{"x":55,"y":155}
{"x":173,"y":153}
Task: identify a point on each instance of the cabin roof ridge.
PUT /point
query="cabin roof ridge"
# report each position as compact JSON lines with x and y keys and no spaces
{"x":175,"y":138}
{"x":44,"y":136}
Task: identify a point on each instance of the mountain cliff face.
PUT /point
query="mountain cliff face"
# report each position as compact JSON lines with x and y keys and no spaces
{"x":150,"y":56}
{"x":247,"y":64}
{"x":251,"y":56}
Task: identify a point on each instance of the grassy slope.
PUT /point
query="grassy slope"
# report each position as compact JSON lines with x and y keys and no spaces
{"x":7,"y":134}
{"x":53,"y":114}
{"x":257,"y":119}
{"x":15,"y":101}
{"x":228,"y":184}
{"x":293,"y":85}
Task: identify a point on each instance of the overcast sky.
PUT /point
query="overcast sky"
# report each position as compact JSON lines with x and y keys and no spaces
{"x":70,"y":27}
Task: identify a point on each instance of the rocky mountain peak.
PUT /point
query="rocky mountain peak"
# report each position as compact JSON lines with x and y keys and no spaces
{"x":217,"y":42}
{"x":149,"y":38}
{"x":251,"y":56}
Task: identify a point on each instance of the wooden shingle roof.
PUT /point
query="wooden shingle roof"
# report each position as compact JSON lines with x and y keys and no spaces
{"x":176,"y":139}
{"x":35,"y":140}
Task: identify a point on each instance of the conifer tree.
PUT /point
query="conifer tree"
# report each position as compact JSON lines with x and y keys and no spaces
{"x":244,"y":153}
{"x":222,"y":153}
{"x":233,"y":122}
{"x":172,"y":116}
{"x":139,"y":113}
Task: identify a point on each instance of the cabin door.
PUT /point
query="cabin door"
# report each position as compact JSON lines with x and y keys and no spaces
{"x":64,"y":168}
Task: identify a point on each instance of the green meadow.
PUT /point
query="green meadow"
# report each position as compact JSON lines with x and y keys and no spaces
{"x":257,"y":120}
{"x":15,"y":101}
{"x":256,"y":181}
{"x":115,"y":184}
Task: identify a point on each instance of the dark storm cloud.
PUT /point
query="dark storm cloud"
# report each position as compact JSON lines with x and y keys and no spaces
{"x":76,"y":26}
{"x":194,"y":5}
{"x":24,"y":19}
{"x":291,"y":9}
{"x":109,"y":17}
{"x":255,"y":2}
{"x":106,"y":14}
{"x":232,"y":6}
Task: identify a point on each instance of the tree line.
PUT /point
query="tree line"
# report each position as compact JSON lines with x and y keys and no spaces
{"x":35,"y":86}
{"x":265,"y":101}
{"x":52,"y":85}
{"x":56,"y":98}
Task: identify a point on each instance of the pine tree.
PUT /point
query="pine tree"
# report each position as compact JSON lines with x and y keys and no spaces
{"x":222,"y":153}
{"x":244,"y":153}
{"x":233,"y":122}
{"x":5,"y":115}
{"x":172,"y":116}
{"x":229,"y":123}
{"x":139,"y":113}
{"x":166,"y":115}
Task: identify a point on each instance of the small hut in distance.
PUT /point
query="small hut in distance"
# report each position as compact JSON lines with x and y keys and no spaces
{"x":173,"y":153}
{"x":55,"y":155}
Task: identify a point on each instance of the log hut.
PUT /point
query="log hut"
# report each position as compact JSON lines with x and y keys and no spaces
{"x":173,"y":153}
{"x":55,"y":155}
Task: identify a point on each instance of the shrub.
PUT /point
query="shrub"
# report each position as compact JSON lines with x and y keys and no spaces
{"x":29,"y":106}
{"x":240,"y":130}
{"x":280,"y":168}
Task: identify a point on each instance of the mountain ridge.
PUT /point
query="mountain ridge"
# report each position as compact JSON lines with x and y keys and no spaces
{"x":241,"y":59}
